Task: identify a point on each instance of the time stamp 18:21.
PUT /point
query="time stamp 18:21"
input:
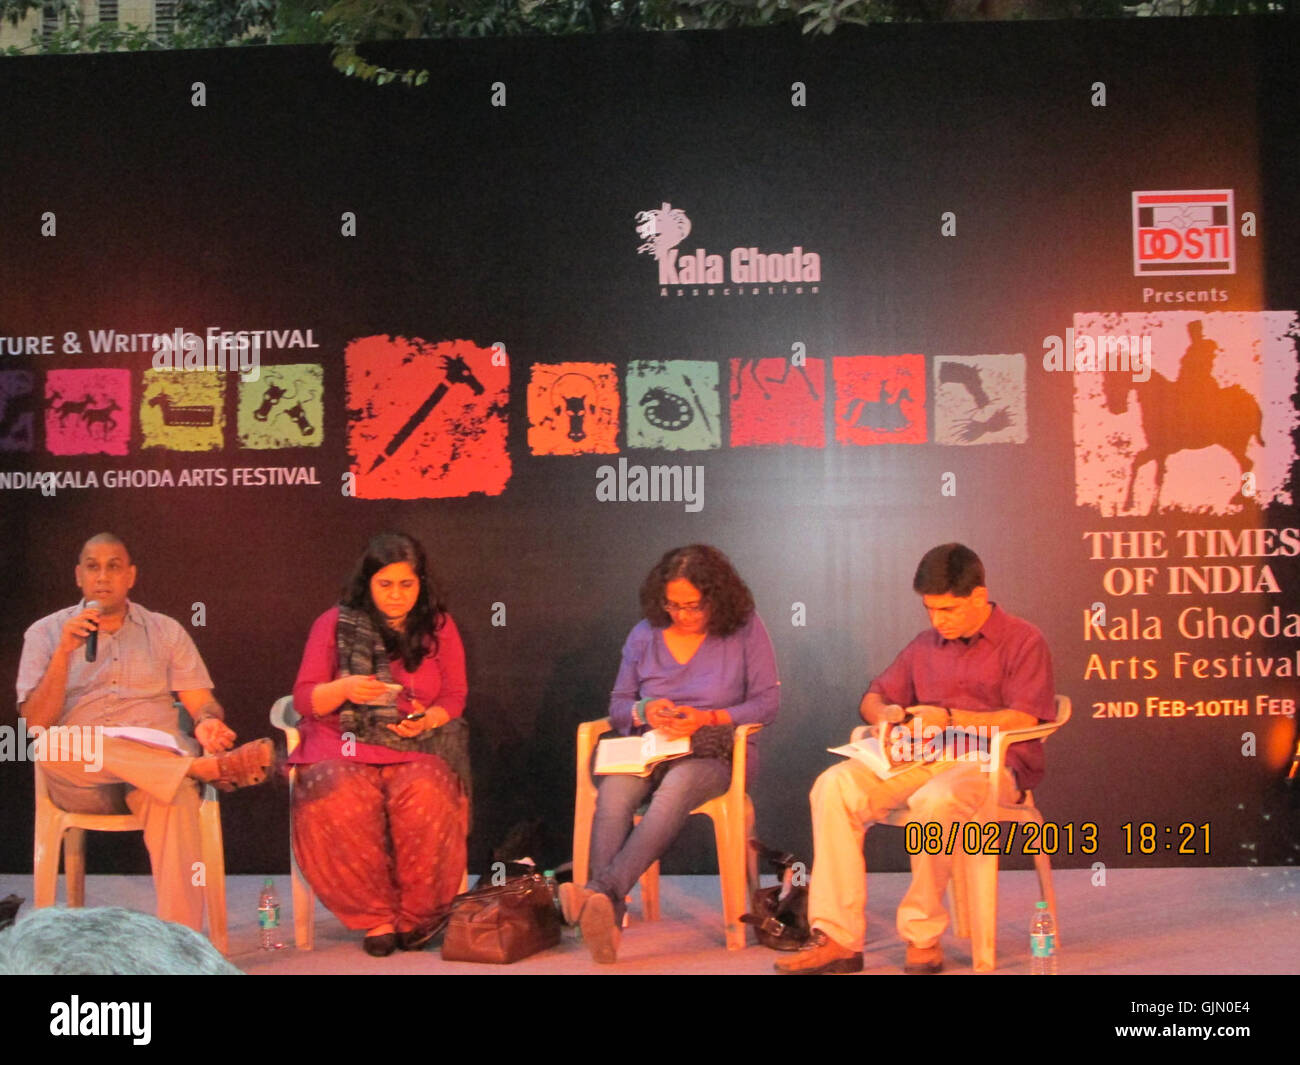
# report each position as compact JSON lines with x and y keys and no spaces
{"x":1067,"y":837}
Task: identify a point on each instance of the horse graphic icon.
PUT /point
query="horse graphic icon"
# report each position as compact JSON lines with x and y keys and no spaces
{"x":1191,"y":412}
{"x":885,"y":415}
{"x":661,"y":230}
{"x":1211,"y":428}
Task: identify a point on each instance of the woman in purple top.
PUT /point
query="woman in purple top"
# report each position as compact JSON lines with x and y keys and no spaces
{"x":381,"y":803}
{"x":700,"y":663}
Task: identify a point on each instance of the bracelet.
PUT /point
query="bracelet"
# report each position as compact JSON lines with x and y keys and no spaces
{"x":210,"y":710}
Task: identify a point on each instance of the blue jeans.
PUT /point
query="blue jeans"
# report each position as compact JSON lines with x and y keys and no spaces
{"x":620,"y":853}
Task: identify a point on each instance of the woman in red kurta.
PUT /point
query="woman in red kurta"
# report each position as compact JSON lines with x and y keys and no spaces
{"x":381,"y":803}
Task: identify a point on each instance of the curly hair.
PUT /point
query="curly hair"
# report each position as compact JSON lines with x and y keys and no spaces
{"x":418,"y":638}
{"x":729,"y":599}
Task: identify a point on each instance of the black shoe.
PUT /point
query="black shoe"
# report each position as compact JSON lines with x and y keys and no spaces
{"x":380,"y":946}
{"x":923,"y":961}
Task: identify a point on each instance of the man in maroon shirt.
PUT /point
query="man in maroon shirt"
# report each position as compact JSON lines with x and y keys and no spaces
{"x":976,"y":668}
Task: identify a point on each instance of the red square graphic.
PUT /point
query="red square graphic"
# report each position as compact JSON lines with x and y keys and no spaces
{"x":880,"y":399}
{"x":776,"y":402}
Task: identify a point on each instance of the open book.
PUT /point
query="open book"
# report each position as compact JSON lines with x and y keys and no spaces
{"x":870,"y":753}
{"x":907,"y":752}
{"x":638,"y":755}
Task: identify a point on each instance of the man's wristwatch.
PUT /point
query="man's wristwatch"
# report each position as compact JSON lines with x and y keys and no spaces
{"x":211,"y":711}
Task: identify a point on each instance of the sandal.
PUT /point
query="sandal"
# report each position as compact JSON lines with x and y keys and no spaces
{"x":245,"y":766}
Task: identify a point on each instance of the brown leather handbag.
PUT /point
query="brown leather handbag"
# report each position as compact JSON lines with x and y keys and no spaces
{"x":502,"y":924}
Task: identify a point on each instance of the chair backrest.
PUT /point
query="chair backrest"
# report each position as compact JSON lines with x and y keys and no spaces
{"x":286,"y":718}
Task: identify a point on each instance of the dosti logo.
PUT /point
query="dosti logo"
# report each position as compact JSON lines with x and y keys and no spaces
{"x":661,"y":231}
{"x":1187,"y":232}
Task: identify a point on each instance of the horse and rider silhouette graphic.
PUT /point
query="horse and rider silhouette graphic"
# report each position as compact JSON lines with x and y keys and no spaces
{"x":885,"y":415}
{"x":1190,"y":412}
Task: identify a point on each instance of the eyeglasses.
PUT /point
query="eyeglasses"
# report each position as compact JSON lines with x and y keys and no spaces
{"x":698,"y":607}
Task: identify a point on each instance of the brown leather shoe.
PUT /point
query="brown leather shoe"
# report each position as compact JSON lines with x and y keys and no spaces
{"x":821,"y":955}
{"x":244,"y":766}
{"x":572,"y":900}
{"x":924,"y":961}
{"x":600,"y":930}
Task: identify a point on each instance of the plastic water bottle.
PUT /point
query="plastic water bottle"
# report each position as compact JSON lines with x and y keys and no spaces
{"x":554,"y":885}
{"x":268,"y":916}
{"x":1042,"y":942}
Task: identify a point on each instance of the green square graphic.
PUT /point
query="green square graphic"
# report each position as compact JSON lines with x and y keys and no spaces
{"x":283,"y":408}
{"x":674,"y":405}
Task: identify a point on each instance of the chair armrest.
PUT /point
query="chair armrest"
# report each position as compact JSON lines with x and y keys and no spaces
{"x":739,"y":752}
{"x":1006,"y":737}
{"x":588,"y":733}
{"x":740,"y":744}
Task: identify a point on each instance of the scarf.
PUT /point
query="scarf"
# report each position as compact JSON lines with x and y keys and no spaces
{"x":361,"y":651}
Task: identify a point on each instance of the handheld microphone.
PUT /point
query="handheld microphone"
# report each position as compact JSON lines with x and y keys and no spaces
{"x":92,"y":641}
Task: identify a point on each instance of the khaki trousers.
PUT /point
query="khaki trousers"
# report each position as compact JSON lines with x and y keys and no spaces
{"x":152,"y":784}
{"x":846,"y":800}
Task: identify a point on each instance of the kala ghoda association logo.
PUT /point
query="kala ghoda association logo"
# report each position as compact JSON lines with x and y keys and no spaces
{"x":742,"y":271}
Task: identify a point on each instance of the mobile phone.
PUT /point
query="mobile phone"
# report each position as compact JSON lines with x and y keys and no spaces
{"x":414,"y":716}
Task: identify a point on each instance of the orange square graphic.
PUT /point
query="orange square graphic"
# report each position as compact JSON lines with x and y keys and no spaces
{"x":573,"y":409}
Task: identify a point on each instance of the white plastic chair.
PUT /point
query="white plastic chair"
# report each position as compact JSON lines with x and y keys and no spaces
{"x":732,"y":814}
{"x":286,"y":718}
{"x":60,"y":830}
{"x":974,"y":884}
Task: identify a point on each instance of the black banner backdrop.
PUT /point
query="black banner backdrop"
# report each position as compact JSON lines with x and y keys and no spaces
{"x":847,"y":293}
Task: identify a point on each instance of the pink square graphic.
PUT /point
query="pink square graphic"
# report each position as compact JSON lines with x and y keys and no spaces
{"x":87,"y":412}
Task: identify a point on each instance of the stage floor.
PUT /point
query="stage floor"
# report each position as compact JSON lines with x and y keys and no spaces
{"x":1156,"y":921}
